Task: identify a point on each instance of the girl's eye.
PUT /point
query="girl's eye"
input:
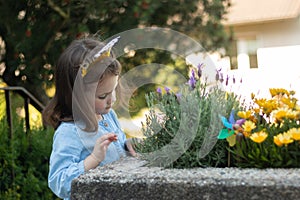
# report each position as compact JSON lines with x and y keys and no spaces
{"x":102,"y":97}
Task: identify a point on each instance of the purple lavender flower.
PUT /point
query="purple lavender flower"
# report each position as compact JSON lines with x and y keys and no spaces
{"x":218,"y":74}
{"x":200,"y":69}
{"x":178,"y":96}
{"x":192,"y":80}
{"x":227,"y":79}
{"x":167,"y":90}
{"x":158,"y":90}
{"x":221,"y":77}
{"x":233,"y":80}
{"x":193,"y":73}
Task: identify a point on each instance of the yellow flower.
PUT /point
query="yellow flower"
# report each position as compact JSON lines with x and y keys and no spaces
{"x":259,"y":137}
{"x":246,"y":134}
{"x":293,"y":114}
{"x":256,"y":110}
{"x":244,"y":114}
{"x":277,"y":140}
{"x":281,"y":113}
{"x":294,"y":133}
{"x":283,"y":139}
{"x":267,"y":105}
{"x":292,"y":92}
{"x":289,"y":102}
{"x":260,"y":102}
{"x":248,"y":126}
{"x":297,"y":107}
{"x":278,"y":91}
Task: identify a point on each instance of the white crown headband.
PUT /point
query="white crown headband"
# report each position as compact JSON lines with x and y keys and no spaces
{"x":102,"y":53}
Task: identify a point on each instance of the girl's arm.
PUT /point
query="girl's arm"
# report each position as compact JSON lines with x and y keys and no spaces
{"x":66,"y":163}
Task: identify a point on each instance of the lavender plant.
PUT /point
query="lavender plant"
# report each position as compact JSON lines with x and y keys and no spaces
{"x":188,"y":122}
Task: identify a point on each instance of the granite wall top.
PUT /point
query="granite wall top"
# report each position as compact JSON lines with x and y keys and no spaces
{"x":130,"y":178}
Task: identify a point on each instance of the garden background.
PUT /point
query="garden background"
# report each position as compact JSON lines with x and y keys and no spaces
{"x":33,"y":33}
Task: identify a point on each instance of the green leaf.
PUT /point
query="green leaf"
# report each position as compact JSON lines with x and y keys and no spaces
{"x":263,"y":158}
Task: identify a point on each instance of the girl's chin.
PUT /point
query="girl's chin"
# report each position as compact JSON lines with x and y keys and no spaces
{"x":105,"y":111}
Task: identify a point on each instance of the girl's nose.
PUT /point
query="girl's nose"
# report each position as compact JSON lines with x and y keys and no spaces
{"x":112,"y":98}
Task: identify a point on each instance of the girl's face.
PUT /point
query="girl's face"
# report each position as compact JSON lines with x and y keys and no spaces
{"x":105,"y":94}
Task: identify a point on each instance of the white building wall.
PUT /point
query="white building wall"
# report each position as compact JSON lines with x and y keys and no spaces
{"x":278,"y":58}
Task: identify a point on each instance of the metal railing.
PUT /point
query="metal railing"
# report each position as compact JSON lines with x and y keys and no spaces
{"x":28,"y":99}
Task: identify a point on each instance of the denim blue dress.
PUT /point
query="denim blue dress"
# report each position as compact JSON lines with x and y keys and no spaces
{"x":70,"y":148}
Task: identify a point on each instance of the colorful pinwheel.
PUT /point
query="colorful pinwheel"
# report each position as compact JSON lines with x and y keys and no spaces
{"x":232,"y":127}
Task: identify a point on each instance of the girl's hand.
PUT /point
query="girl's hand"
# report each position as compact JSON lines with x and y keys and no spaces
{"x":99,"y":151}
{"x":129,"y":144}
{"x":102,"y":144}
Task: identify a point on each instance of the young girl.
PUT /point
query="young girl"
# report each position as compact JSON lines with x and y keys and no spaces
{"x":87,"y":131}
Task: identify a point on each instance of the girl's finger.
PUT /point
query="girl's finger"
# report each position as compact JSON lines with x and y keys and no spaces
{"x":111,"y":137}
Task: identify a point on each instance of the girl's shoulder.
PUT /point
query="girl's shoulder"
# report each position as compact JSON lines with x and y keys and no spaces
{"x":66,"y":125}
{"x":68,"y":135}
{"x":66,"y":128}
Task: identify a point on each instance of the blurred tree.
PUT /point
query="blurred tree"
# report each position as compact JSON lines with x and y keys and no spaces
{"x":36,"y":31}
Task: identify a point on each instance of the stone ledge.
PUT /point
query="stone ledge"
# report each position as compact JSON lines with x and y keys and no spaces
{"x":128,"y":178}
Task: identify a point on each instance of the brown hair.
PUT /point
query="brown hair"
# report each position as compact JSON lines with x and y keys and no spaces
{"x":60,"y":107}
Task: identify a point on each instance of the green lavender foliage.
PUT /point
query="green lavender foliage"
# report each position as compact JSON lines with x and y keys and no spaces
{"x":197,"y":148}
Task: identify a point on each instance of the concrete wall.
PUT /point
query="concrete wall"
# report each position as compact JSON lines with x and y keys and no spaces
{"x":129,"y":178}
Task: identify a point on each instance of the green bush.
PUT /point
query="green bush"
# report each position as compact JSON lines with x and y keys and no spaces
{"x":186,"y":124}
{"x":24,"y":162}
